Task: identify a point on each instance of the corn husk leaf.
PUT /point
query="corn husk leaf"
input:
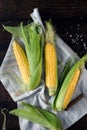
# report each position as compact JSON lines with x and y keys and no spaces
{"x":4,"y":120}
{"x":65,"y":71}
{"x":16,"y":30}
{"x":65,"y":84}
{"x":33,"y":37}
{"x":37,"y":115}
{"x":34,"y":53}
{"x":62,"y":77}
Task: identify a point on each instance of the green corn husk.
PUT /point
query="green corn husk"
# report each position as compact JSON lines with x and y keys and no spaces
{"x":65,"y":71}
{"x":38,"y":115}
{"x":4,"y":115}
{"x":61,"y":78}
{"x":32,"y":35}
{"x":59,"y":98}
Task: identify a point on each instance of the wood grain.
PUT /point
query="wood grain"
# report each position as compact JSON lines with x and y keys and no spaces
{"x":70,"y":20}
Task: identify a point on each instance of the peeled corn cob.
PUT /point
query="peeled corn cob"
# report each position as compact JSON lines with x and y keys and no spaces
{"x":21,"y":61}
{"x":68,"y":86}
{"x":50,"y":60}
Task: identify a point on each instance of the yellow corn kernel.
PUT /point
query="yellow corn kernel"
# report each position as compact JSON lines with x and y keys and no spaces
{"x":21,"y":61}
{"x":50,"y":68}
{"x":71,"y":88}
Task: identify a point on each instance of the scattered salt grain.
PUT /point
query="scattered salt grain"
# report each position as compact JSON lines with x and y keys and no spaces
{"x":71,"y":27}
{"x":81,"y":18}
{"x":81,"y":40}
{"x":67,"y":33}
{"x":73,"y":40}
{"x":78,"y":25}
{"x":78,"y":39}
{"x":70,"y":35}
{"x":73,"y":7}
{"x":77,"y":43}
{"x":84,"y":44}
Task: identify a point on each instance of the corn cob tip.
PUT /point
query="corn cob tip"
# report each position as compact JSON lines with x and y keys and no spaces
{"x":65,"y":95}
{"x":52,"y":91}
{"x":50,"y":33}
{"x":71,"y":88}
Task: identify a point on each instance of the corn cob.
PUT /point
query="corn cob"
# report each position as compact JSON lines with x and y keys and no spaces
{"x":50,"y":60}
{"x":68,"y":86}
{"x":71,"y":88}
{"x":32,"y":35}
{"x":21,"y":61}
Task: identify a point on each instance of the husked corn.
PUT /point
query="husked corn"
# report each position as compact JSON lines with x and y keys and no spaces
{"x":21,"y":61}
{"x":71,"y":88}
{"x":50,"y":66}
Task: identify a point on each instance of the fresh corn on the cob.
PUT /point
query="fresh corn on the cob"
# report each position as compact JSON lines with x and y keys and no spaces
{"x":21,"y":61}
{"x":33,"y":38}
{"x":50,"y":60}
{"x":68,"y":86}
{"x":71,"y":88}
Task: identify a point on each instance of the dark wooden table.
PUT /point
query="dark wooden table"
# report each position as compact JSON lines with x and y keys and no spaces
{"x":70,"y":20}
